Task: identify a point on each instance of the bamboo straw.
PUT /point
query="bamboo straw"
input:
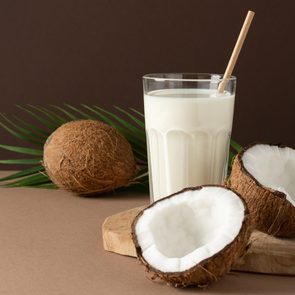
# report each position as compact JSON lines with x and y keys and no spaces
{"x":237,"y":49}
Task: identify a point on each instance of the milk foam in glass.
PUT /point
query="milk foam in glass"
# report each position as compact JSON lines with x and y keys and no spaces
{"x":188,"y":126}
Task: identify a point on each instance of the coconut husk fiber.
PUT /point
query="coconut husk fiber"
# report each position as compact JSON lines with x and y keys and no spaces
{"x":88,"y":156}
{"x":269,"y":209}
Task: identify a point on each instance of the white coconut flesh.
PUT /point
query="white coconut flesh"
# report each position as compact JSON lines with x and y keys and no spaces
{"x":273,"y":167}
{"x":179,"y":232}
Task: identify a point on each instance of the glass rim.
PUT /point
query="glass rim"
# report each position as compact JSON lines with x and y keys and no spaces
{"x":161,"y":77}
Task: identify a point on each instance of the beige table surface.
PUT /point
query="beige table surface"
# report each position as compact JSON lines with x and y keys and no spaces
{"x":51,"y":244}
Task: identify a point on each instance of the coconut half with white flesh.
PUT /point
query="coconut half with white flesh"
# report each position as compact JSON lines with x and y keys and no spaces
{"x":264,"y":175}
{"x":192,"y":237}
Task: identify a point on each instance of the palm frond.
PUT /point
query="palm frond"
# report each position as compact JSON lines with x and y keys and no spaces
{"x":66,"y":112}
{"x":133,"y":118}
{"x":51,"y":118}
{"x":81,"y":113}
{"x":137,"y":112}
{"x":22,"y":150}
{"x":235,"y":145}
{"x":20,"y":135}
{"x":25,"y":172}
{"x":21,"y":161}
{"x":28,"y":134}
{"x":139,"y":133}
{"x":46,"y":122}
{"x":40,"y":133}
{"x":129,"y":122}
{"x":49,"y":114}
{"x":33,"y":179}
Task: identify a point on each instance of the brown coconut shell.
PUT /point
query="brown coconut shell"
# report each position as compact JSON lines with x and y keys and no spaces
{"x":208,"y":270}
{"x":271,"y":212}
{"x":88,"y":156}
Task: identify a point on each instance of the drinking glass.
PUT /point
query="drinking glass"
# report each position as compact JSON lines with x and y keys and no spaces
{"x":188,"y":128}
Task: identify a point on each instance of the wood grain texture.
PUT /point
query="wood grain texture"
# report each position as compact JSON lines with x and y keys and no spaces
{"x":116,"y":232}
{"x":266,"y":254}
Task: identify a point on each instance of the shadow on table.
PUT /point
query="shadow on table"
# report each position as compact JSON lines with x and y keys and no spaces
{"x":119,"y":196}
{"x":130,"y":192}
{"x":248,"y":283}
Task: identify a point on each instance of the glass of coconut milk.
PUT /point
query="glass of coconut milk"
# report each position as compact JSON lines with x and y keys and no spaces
{"x":188,"y":126}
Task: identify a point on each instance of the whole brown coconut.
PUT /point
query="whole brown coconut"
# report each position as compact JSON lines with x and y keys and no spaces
{"x":87,"y":157}
{"x":263,"y":174}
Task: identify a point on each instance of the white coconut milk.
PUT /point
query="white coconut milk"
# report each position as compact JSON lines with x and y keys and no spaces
{"x":188,"y":133}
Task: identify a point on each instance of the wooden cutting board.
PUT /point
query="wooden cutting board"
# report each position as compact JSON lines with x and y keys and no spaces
{"x":265,"y":255}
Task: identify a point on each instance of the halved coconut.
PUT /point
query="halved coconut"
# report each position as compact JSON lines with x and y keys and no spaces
{"x":192,"y":237}
{"x":264,"y":175}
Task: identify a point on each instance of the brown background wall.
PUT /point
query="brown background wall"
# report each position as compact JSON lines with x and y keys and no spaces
{"x":53,"y":52}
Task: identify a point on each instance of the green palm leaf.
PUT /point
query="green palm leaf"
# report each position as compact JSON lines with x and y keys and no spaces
{"x":136,"y":140}
{"x":47,"y":123}
{"x":32,"y":180}
{"x":55,"y":118}
{"x":137,"y":112}
{"x":40,"y":133}
{"x":70,"y":115}
{"x":23,"y":173}
{"x":22,"y":150}
{"x":31,"y":134}
{"x":21,"y":161}
{"x":235,"y":146}
{"x":47,"y":185}
{"x":133,"y":118}
{"x":20,"y":135}
{"x":129,"y":122}
{"x":140,"y":134}
{"x":83,"y":114}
